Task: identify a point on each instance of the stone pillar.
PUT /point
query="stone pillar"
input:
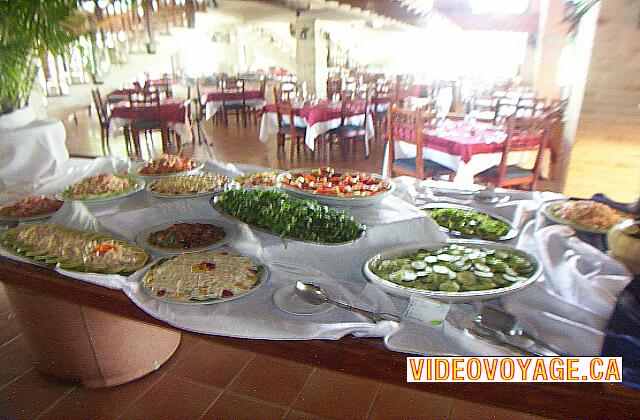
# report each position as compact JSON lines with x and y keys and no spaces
{"x":551,"y":39}
{"x":527,"y":71}
{"x":584,"y":48}
{"x":611,"y":103}
{"x":311,"y":56}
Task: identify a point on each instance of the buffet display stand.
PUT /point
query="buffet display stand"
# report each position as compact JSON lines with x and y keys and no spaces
{"x":357,"y":356}
{"x":572,"y":321}
{"x":80,"y":343}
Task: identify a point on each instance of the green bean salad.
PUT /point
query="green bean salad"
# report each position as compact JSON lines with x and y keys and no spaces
{"x":469,"y":223}
{"x":456,"y":268}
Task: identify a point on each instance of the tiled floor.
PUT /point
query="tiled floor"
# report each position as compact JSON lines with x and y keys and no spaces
{"x":208,"y":380}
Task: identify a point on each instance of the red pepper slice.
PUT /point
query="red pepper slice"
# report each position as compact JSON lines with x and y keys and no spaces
{"x":103,"y":249}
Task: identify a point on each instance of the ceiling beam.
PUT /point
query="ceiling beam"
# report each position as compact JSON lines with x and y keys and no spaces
{"x":393,"y":9}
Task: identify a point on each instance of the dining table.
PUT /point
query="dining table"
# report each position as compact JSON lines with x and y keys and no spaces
{"x":466,"y":148}
{"x":212,"y":99}
{"x":318,"y":119}
{"x":342,"y":341}
{"x":172,"y":112}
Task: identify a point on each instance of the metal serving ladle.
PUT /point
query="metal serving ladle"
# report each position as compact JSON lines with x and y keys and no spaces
{"x":316,"y":295}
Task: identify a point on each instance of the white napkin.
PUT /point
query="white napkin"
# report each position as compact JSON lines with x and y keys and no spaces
{"x":571,"y":304}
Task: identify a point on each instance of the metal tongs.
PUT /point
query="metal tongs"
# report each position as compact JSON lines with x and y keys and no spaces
{"x":505,"y":329}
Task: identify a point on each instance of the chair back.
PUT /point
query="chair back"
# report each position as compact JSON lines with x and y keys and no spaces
{"x":263,"y":87}
{"x":287,"y":89}
{"x":406,"y":126}
{"x":505,"y":107}
{"x":351,"y":105}
{"x":101,"y":107}
{"x":145,"y":97}
{"x":284,"y":108}
{"x":334,"y":86}
{"x":403,"y":89}
{"x":521,"y":136}
{"x":163,"y":87}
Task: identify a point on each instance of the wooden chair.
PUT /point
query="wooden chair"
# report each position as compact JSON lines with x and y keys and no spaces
{"x":232,"y":85}
{"x":149,"y":99}
{"x":350,"y":106}
{"x":519,"y":133}
{"x":288,"y":90}
{"x":505,"y":108}
{"x":484,"y":107}
{"x":334,"y":86}
{"x":102,"y":110}
{"x":381,"y":100}
{"x":403,"y":89}
{"x":408,"y":126}
{"x":195,"y":115}
{"x":286,"y":126}
{"x":163,"y":87}
{"x":103,"y":119}
{"x":256,"y":111}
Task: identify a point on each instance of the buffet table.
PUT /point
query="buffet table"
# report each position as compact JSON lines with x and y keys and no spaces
{"x":357,"y":356}
{"x":568,"y":306}
{"x":318,"y":119}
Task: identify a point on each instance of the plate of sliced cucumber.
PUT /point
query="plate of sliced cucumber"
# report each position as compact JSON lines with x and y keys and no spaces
{"x":462,"y":270}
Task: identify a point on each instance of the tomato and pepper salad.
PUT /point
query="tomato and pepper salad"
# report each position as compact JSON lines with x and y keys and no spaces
{"x":329,"y":182}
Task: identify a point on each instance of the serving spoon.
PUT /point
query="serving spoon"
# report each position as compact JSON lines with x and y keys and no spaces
{"x":316,"y":295}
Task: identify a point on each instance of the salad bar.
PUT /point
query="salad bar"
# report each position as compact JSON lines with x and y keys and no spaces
{"x":222,"y":258}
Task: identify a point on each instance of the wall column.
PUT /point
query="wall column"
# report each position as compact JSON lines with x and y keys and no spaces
{"x":551,"y":39}
{"x":311,"y":56}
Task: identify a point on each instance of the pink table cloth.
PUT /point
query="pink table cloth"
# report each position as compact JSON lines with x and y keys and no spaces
{"x":217,"y":96}
{"x":459,"y":143}
{"x":170,"y":110}
{"x":175,"y":112}
{"x":465,"y":151}
{"x":322,"y":112}
{"x":212,"y":100}
{"x":318,"y":119}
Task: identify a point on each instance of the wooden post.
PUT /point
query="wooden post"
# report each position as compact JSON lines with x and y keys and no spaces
{"x":190,"y":9}
{"x":148,"y":23}
{"x":165,"y":15}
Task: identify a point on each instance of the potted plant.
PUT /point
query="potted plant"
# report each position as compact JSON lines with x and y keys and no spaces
{"x":29,"y":29}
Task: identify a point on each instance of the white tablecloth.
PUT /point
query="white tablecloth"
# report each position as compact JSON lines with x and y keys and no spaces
{"x":567,"y":306}
{"x":32,"y":153}
{"x":269,"y":126}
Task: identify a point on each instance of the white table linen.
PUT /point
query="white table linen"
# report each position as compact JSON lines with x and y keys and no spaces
{"x":568,"y":306}
{"x":32,"y":153}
